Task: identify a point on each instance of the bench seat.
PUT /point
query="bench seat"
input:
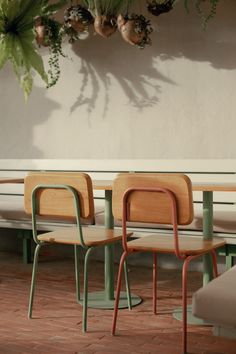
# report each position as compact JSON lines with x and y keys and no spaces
{"x":12,"y":215}
{"x":216,"y":303}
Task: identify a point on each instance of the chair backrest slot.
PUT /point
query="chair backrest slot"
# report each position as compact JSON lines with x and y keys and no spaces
{"x":59,"y":202}
{"x":154,"y":207}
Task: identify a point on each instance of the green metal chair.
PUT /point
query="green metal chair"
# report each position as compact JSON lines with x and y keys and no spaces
{"x":66,"y":196}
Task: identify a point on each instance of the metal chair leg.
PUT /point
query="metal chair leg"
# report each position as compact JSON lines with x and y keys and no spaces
{"x":127,"y":285}
{"x":117,"y":298}
{"x":184,"y":305}
{"x":85,"y":302}
{"x":77,"y":283}
{"x":32,"y":288}
{"x":154,"y":283}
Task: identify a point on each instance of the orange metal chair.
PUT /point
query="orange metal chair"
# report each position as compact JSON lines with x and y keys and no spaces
{"x":161,"y":199}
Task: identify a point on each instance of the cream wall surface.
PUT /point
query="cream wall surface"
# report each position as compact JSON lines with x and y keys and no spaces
{"x":173,"y":100}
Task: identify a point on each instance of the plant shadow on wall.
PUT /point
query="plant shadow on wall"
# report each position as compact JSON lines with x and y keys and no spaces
{"x":176,"y":35}
{"x":180,"y":36}
{"x":19,"y":120}
{"x":105,"y":60}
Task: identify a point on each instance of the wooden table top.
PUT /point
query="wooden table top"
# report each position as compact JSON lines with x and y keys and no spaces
{"x":11,"y":180}
{"x":107,"y":185}
{"x":197,"y":186}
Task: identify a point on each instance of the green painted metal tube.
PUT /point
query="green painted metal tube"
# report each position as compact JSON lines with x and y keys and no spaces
{"x":34,"y":271}
{"x":85,"y":302}
{"x":207,"y":234}
{"x":77,"y":283}
{"x":109,"y":249}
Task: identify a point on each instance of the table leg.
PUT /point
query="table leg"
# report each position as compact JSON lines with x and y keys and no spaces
{"x":207,"y":234}
{"x":109,"y":249}
{"x":106,"y":299}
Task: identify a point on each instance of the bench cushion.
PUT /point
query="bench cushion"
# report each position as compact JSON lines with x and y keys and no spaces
{"x":224,"y":220}
{"x":13,"y":215}
{"x":216,"y":302}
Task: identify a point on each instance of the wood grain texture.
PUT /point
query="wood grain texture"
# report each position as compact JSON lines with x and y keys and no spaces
{"x":59,"y":202}
{"x":153,"y":207}
{"x":92,"y":236}
{"x":188,"y":245}
{"x":4,"y":180}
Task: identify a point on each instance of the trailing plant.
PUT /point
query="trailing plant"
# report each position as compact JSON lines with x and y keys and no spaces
{"x":52,"y":38}
{"x":52,"y":31}
{"x":158,"y":7}
{"x":205,"y":17}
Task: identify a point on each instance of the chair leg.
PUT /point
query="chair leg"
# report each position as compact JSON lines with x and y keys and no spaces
{"x":154,"y":283}
{"x":85,"y":302}
{"x":32,"y":288}
{"x":184,"y":303}
{"x":214,"y":261}
{"x":127,"y":285}
{"x":77,"y":283}
{"x":122,"y":260}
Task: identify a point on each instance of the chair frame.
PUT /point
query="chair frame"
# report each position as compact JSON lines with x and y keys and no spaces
{"x":183,"y":257}
{"x":88,"y":249}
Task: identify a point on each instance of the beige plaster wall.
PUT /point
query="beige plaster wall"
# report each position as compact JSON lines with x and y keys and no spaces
{"x":175,"y":99}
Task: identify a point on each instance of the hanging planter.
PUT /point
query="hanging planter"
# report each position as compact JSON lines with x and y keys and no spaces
{"x":41,"y":32}
{"x":78,"y":17}
{"x":157,"y":8}
{"x":105,"y":25}
{"x":135,"y":29}
{"x":105,"y":13}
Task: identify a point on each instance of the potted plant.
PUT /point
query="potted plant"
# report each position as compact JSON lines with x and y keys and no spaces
{"x":105,"y":13}
{"x":49,"y":33}
{"x":77,"y":20}
{"x":135,"y":29}
{"x":17,"y":40}
{"x":18,"y":30}
{"x":158,"y":7}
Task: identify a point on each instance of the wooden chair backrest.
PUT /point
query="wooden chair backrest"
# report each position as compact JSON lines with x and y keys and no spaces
{"x":153,"y":207}
{"x":60,"y":202}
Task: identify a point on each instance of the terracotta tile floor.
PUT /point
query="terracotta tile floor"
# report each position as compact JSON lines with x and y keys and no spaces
{"x":56,"y":326}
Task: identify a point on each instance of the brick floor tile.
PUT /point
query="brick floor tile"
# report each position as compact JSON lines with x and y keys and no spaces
{"x":57,"y":318}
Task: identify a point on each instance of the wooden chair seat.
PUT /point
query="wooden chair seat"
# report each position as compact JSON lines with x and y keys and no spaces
{"x":188,"y":245}
{"x":92,"y":236}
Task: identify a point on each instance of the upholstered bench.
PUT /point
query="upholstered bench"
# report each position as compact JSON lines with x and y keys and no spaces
{"x":216,"y":303}
{"x":12,"y":213}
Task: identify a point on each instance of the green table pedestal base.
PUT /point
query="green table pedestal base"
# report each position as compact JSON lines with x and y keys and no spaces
{"x":97,"y":300}
{"x":177,"y":314}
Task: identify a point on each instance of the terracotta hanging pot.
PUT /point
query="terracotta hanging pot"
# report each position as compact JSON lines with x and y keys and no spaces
{"x":41,"y":32}
{"x":78,"y":17}
{"x":105,"y":25}
{"x":135,"y":30}
{"x":156,"y":8}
